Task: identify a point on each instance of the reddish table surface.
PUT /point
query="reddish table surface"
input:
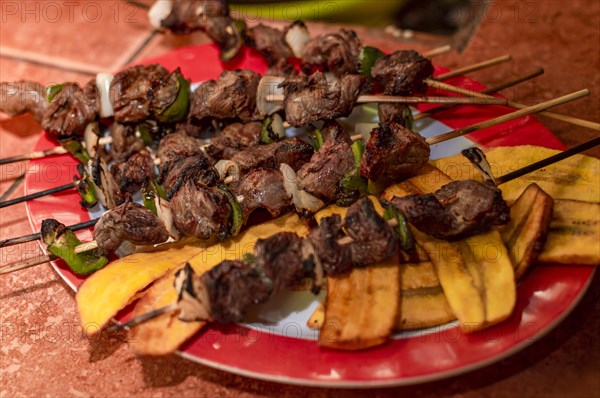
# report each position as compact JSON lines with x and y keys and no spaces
{"x":42,"y":351}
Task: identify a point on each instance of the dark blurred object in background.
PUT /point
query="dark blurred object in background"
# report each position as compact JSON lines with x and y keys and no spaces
{"x":440,"y":17}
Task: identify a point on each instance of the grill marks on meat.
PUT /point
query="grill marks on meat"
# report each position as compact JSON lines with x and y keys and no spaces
{"x":327,"y":167}
{"x":335,"y":52}
{"x":234,"y":138}
{"x":134,"y":174}
{"x":393,"y":152}
{"x":373,"y":238}
{"x":402,"y":72}
{"x":457,"y":210}
{"x":195,"y":169}
{"x":129,"y":222}
{"x":175,"y":146}
{"x":263,"y":189}
{"x":72,"y":109}
{"x":23,"y":97}
{"x":270,"y":42}
{"x":201,"y":211}
{"x":232,"y":286}
{"x":333,"y":131}
{"x":311,"y":98}
{"x":291,"y":151}
{"x":335,"y":258}
{"x":231,"y":96}
{"x":140,"y":91}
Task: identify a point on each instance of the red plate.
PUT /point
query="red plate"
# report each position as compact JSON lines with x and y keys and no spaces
{"x":546,"y":296}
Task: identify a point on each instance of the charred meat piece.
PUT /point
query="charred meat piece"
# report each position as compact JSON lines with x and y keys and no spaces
{"x":281,"y":257}
{"x":333,"y":131}
{"x":392,"y":152}
{"x":335,"y":258}
{"x":373,"y":239}
{"x":458,"y":209}
{"x":234,"y":138}
{"x":129,"y":222}
{"x":327,"y":167}
{"x":211,"y":16}
{"x":202,"y":212}
{"x":72,"y":109}
{"x":231,"y":96}
{"x":389,"y":113}
{"x":402,"y":72}
{"x":263,"y":189}
{"x":311,"y":98}
{"x":23,"y":97}
{"x":291,"y":151}
{"x":124,"y":142}
{"x":281,"y":68}
{"x":134,"y":174}
{"x":335,"y":52}
{"x":174,"y":147}
{"x":232,"y":286}
{"x":140,"y":91}
{"x":270,"y":42}
{"x":195,"y":169}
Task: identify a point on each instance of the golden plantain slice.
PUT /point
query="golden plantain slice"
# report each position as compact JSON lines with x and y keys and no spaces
{"x":574,"y":236}
{"x":361,"y":307}
{"x":112,"y":288}
{"x":574,"y":178}
{"x":166,"y":333}
{"x":527,"y":230}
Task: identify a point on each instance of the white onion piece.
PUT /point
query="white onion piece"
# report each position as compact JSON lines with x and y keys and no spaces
{"x":159,"y":12}
{"x":164,"y":213}
{"x":91,"y":138}
{"x":301,"y":199}
{"x":106,"y":191}
{"x":277,"y":125}
{"x":227,"y":167}
{"x":296,"y":38}
{"x":103,"y":81}
{"x":268,"y":85}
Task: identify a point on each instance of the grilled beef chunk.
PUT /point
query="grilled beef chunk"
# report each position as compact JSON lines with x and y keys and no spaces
{"x":23,"y":97}
{"x":291,"y":151}
{"x":201,"y":211}
{"x":232,"y":95}
{"x":270,"y":42}
{"x":196,"y":169}
{"x":134,"y":174}
{"x":72,"y":109}
{"x":373,"y":238}
{"x":281,"y":257}
{"x":335,"y":258}
{"x":333,"y":131}
{"x":176,"y":146}
{"x":335,"y":52}
{"x":311,"y":98}
{"x":129,"y":222}
{"x":263,"y":189}
{"x":392,"y":152}
{"x":389,"y":113}
{"x":210,"y":16}
{"x":458,"y":209}
{"x":234,"y":138}
{"x":281,"y":68}
{"x":402,"y":72}
{"x":322,"y":175}
{"x":232,"y":286}
{"x":140,"y":91}
{"x":124,"y":142}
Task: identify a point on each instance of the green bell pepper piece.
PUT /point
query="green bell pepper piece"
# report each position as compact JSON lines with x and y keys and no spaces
{"x":85,"y":188}
{"x":366,"y":59}
{"x":62,"y":242}
{"x":74,"y":147}
{"x":401,"y":230}
{"x":317,"y":139}
{"x":237,"y":215}
{"x":178,"y":110}
{"x":53,"y":91}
